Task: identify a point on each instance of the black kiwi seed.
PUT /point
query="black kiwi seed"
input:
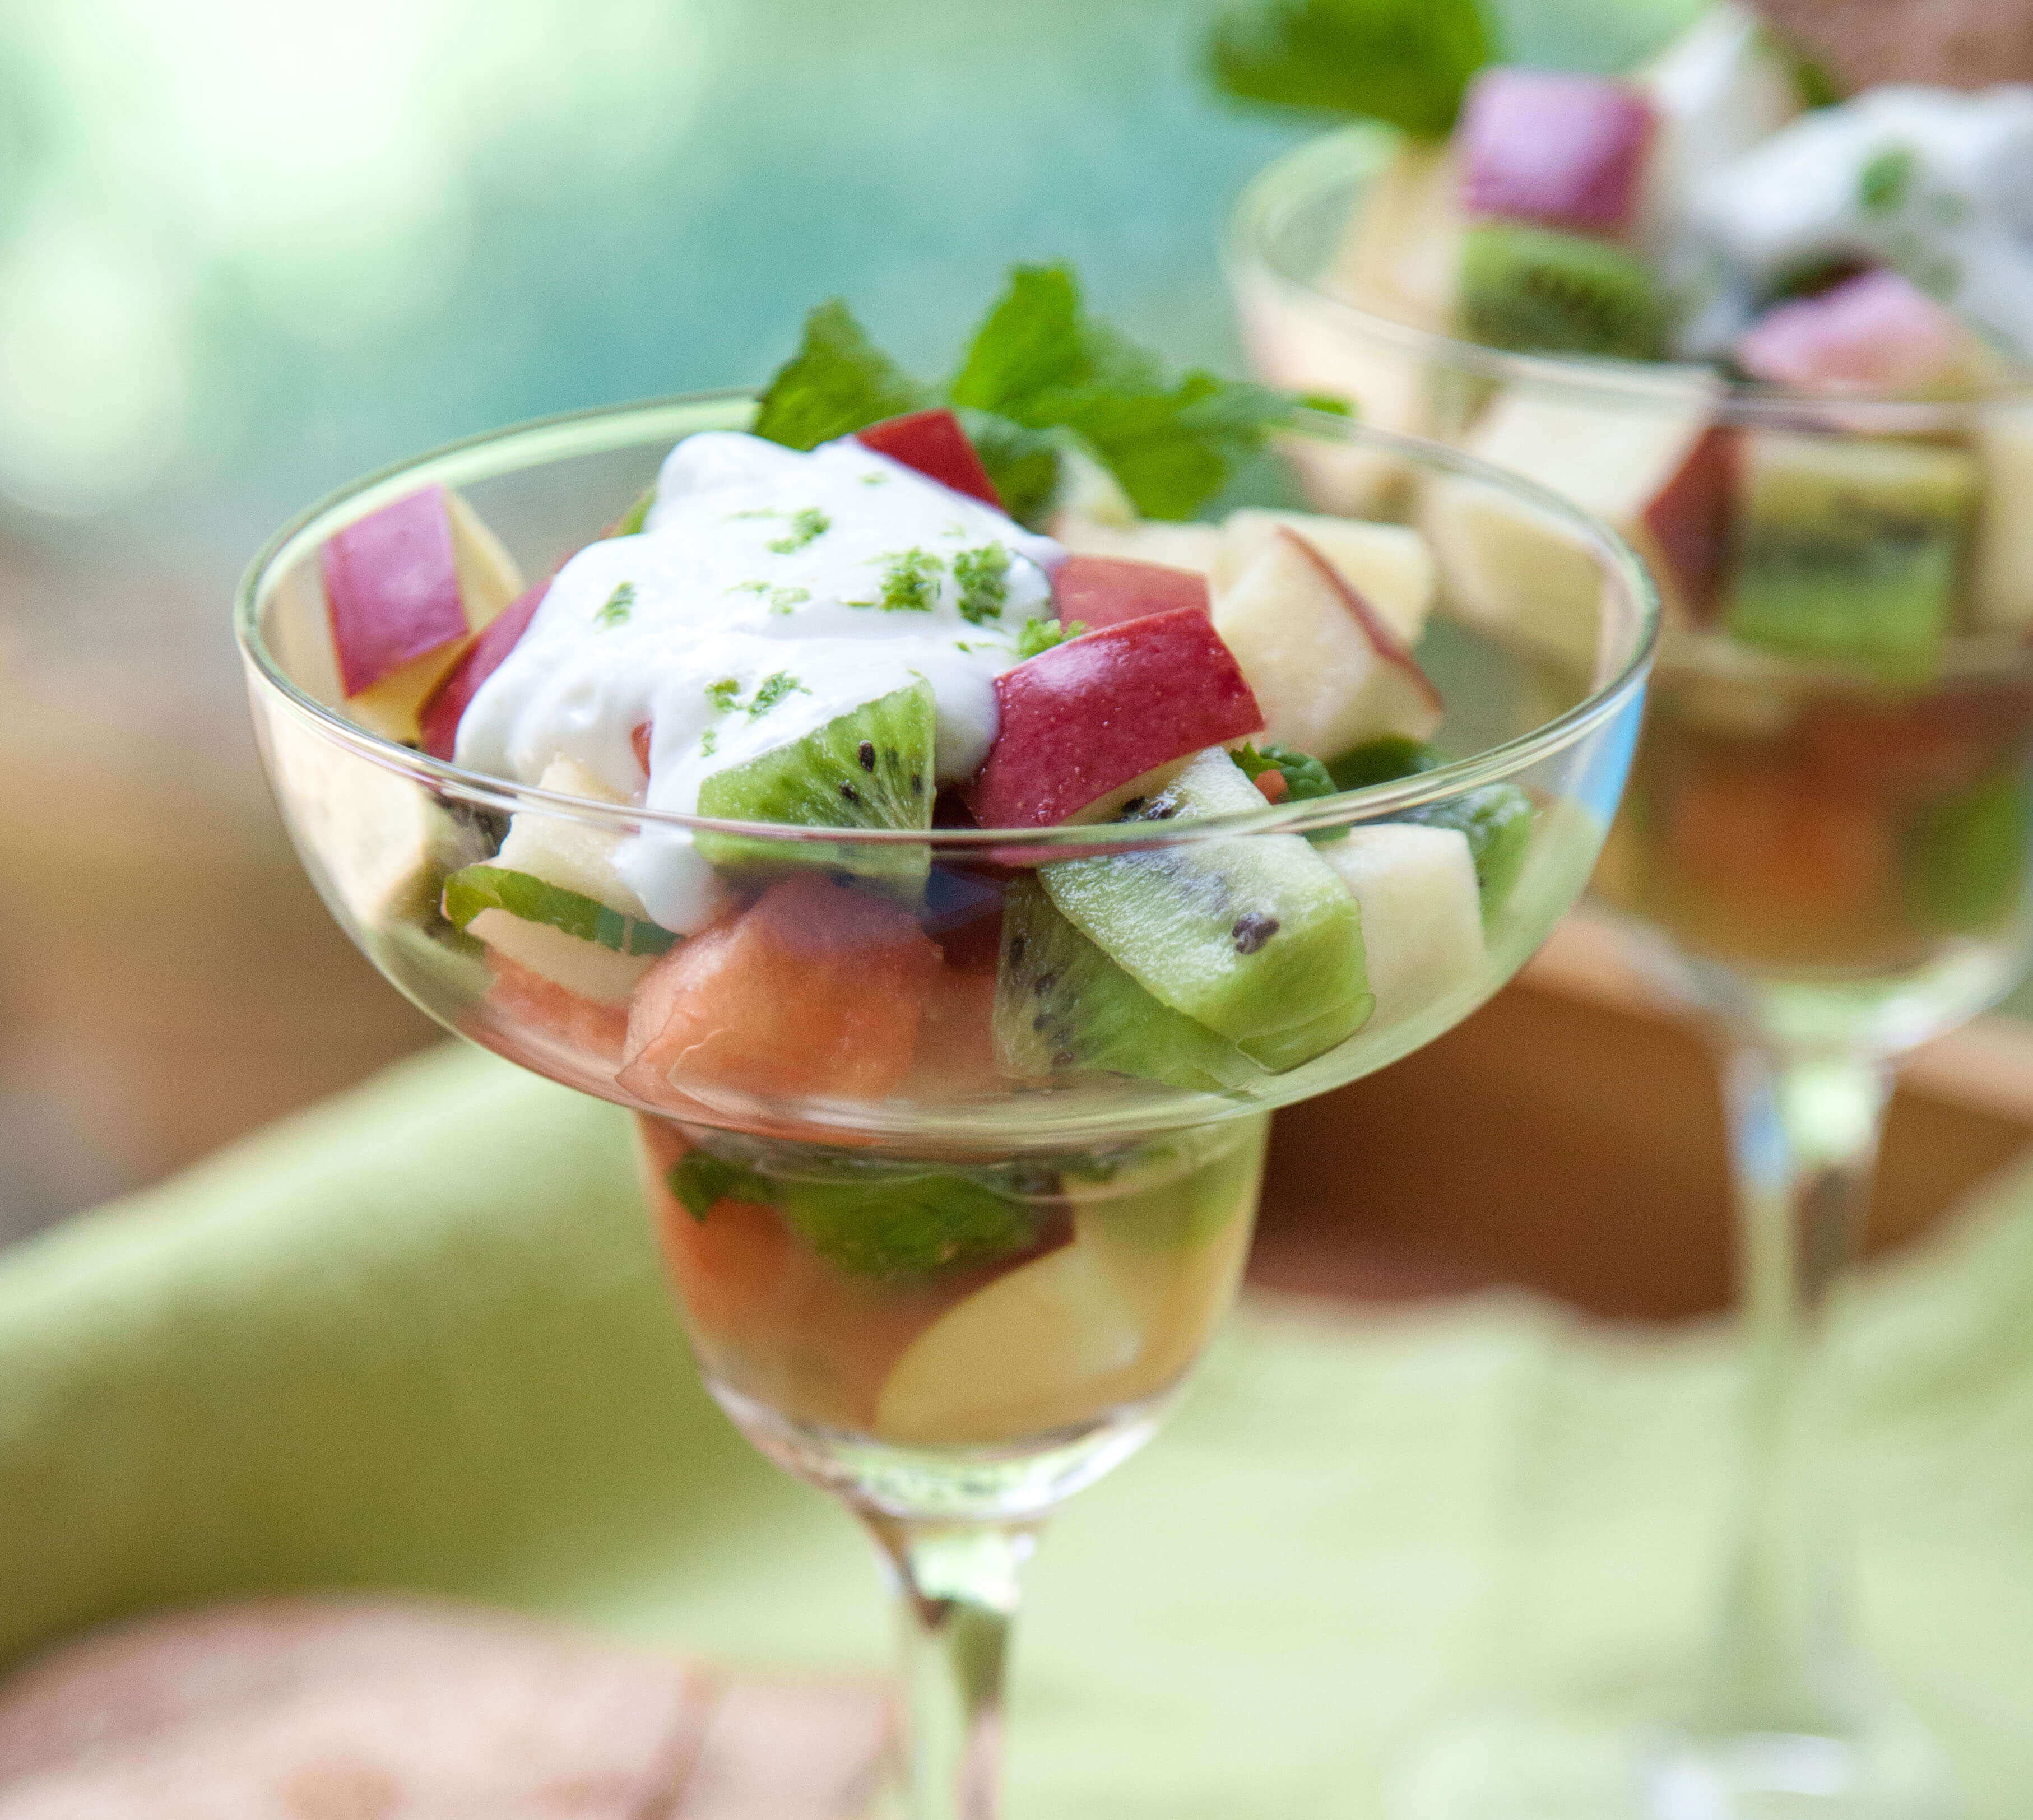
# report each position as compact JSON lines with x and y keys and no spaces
{"x":848,"y":790}
{"x":1253,"y":929}
{"x":1133,"y":805}
{"x":868,"y":754}
{"x":1046,"y":983}
{"x":1017,"y":945}
{"x":917,"y":783}
{"x":1042,"y":1022}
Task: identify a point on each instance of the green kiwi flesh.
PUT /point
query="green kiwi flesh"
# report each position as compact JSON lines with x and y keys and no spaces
{"x":868,"y":768}
{"x":1256,"y":937}
{"x":1538,"y":291}
{"x":1063,"y":1007}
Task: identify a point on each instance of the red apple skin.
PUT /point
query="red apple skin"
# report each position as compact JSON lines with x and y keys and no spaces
{"x":391,"y":586}
{"x":1564,"y":151}
{"x":1382,"y":639}
{"x":1104,"y":591}
{"x":1690,"y":521}
{"x":449,"y":700}
{"x":1088,"y":716}
{"x":1876,"y":332}
{"x":934,"y":443}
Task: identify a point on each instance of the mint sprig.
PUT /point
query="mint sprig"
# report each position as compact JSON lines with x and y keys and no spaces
{"x":836,"y":383}
{"x":1039,"y":376}
{"x":1406,"y":62}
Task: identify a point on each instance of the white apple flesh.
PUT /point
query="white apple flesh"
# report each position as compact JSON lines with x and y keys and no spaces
{"x":1389,"y":566}
{"x":578,"y":857}
{"x":1422,"y":915}
{"x":1328,"y":669}
{"x":1659,"y":471}
{"x":1193,"y":547}
{"x":1113,"y":1318}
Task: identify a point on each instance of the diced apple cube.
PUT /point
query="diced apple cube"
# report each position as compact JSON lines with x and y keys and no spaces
{"x":1422,"y":915}
{"x":933,"y":443}
{"x":406,"y":589}
{"x":1562,"y":150}
{"x":1389,"y":565}
{"x":438,"y":722}
{"x":1877,"y":331}
{"x":1328,"y":671}
{"x":1099,"y":591}
{"x":1086,"y":721}
{"x":1660,"y":472}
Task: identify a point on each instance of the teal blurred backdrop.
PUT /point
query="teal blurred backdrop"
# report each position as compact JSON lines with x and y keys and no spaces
{"x":249,"y":248}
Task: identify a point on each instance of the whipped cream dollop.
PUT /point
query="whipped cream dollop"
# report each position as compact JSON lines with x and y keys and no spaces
{"x":769,"y":592}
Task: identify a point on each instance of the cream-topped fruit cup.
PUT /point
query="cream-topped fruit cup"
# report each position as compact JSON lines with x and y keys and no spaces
{"x":953,"y":1134}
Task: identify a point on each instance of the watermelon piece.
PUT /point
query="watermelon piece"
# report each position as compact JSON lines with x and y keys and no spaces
{"x":1103,"y":591}
{"x":447,"y":703}
{"x":933,"y":443}
{"x":817,"y":989}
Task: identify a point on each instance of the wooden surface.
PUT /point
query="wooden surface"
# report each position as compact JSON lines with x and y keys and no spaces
{"x":1569,"y":1137}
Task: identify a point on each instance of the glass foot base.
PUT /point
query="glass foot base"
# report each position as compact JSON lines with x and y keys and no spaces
{"x":1524,"y":1765}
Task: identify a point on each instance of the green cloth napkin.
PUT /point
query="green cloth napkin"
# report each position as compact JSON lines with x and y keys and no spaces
{"x":416,"y":1338}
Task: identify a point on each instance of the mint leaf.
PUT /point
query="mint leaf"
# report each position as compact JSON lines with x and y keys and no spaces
{"x":1040,"y":361}
{"x":1406,"y":62}
{"x":836,"y":383}
{"x":1039,"y":370}
{"x":1382,"y":761}
{"x":1023,"y":463}
{"x":902,"y":1228}
{"x":1305,"y":779}
{"x":1034,"y":338}
{"x":698,"y":1179}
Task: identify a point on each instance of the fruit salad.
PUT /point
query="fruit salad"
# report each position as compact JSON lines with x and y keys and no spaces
{"x":1774,"y":330}
{"x":939,"y":841}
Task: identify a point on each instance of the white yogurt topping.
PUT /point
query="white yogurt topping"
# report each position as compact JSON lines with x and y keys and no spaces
{"x":1936,"y":184}
{"x":771,"y":592}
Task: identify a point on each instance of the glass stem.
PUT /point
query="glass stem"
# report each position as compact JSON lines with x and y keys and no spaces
{"x":1804,"y":1130}
{"x":956,"y":1594}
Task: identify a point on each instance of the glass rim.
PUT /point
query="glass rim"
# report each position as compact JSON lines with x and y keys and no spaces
{"x":1250,"y":246}
{"x":609,"y":428}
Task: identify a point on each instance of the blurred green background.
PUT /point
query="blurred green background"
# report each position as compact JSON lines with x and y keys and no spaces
{"x":249,"y":249}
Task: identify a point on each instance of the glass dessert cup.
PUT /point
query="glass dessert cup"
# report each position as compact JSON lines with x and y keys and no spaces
{"x":1826,"y":853}
{"x":949,"y":1287}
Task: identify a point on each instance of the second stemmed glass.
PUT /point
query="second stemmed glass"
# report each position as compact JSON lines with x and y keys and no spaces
{"x":934,"y":1253}
{"x":1828,"y":857}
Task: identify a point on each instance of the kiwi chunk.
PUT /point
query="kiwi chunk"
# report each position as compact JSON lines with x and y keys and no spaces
{"x":1538,"y":291}
{"x":868,"y":768}
{"x":1062,"y":1006}
{"x":474,"y":888}
{"x":1848,"y":548}
{"x":1965,"y":859}
{"x":1255,"y":937}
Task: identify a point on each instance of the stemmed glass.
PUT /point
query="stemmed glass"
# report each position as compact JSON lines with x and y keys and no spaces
{"x":951,"y":1282}
{"x":1827,"y":857}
